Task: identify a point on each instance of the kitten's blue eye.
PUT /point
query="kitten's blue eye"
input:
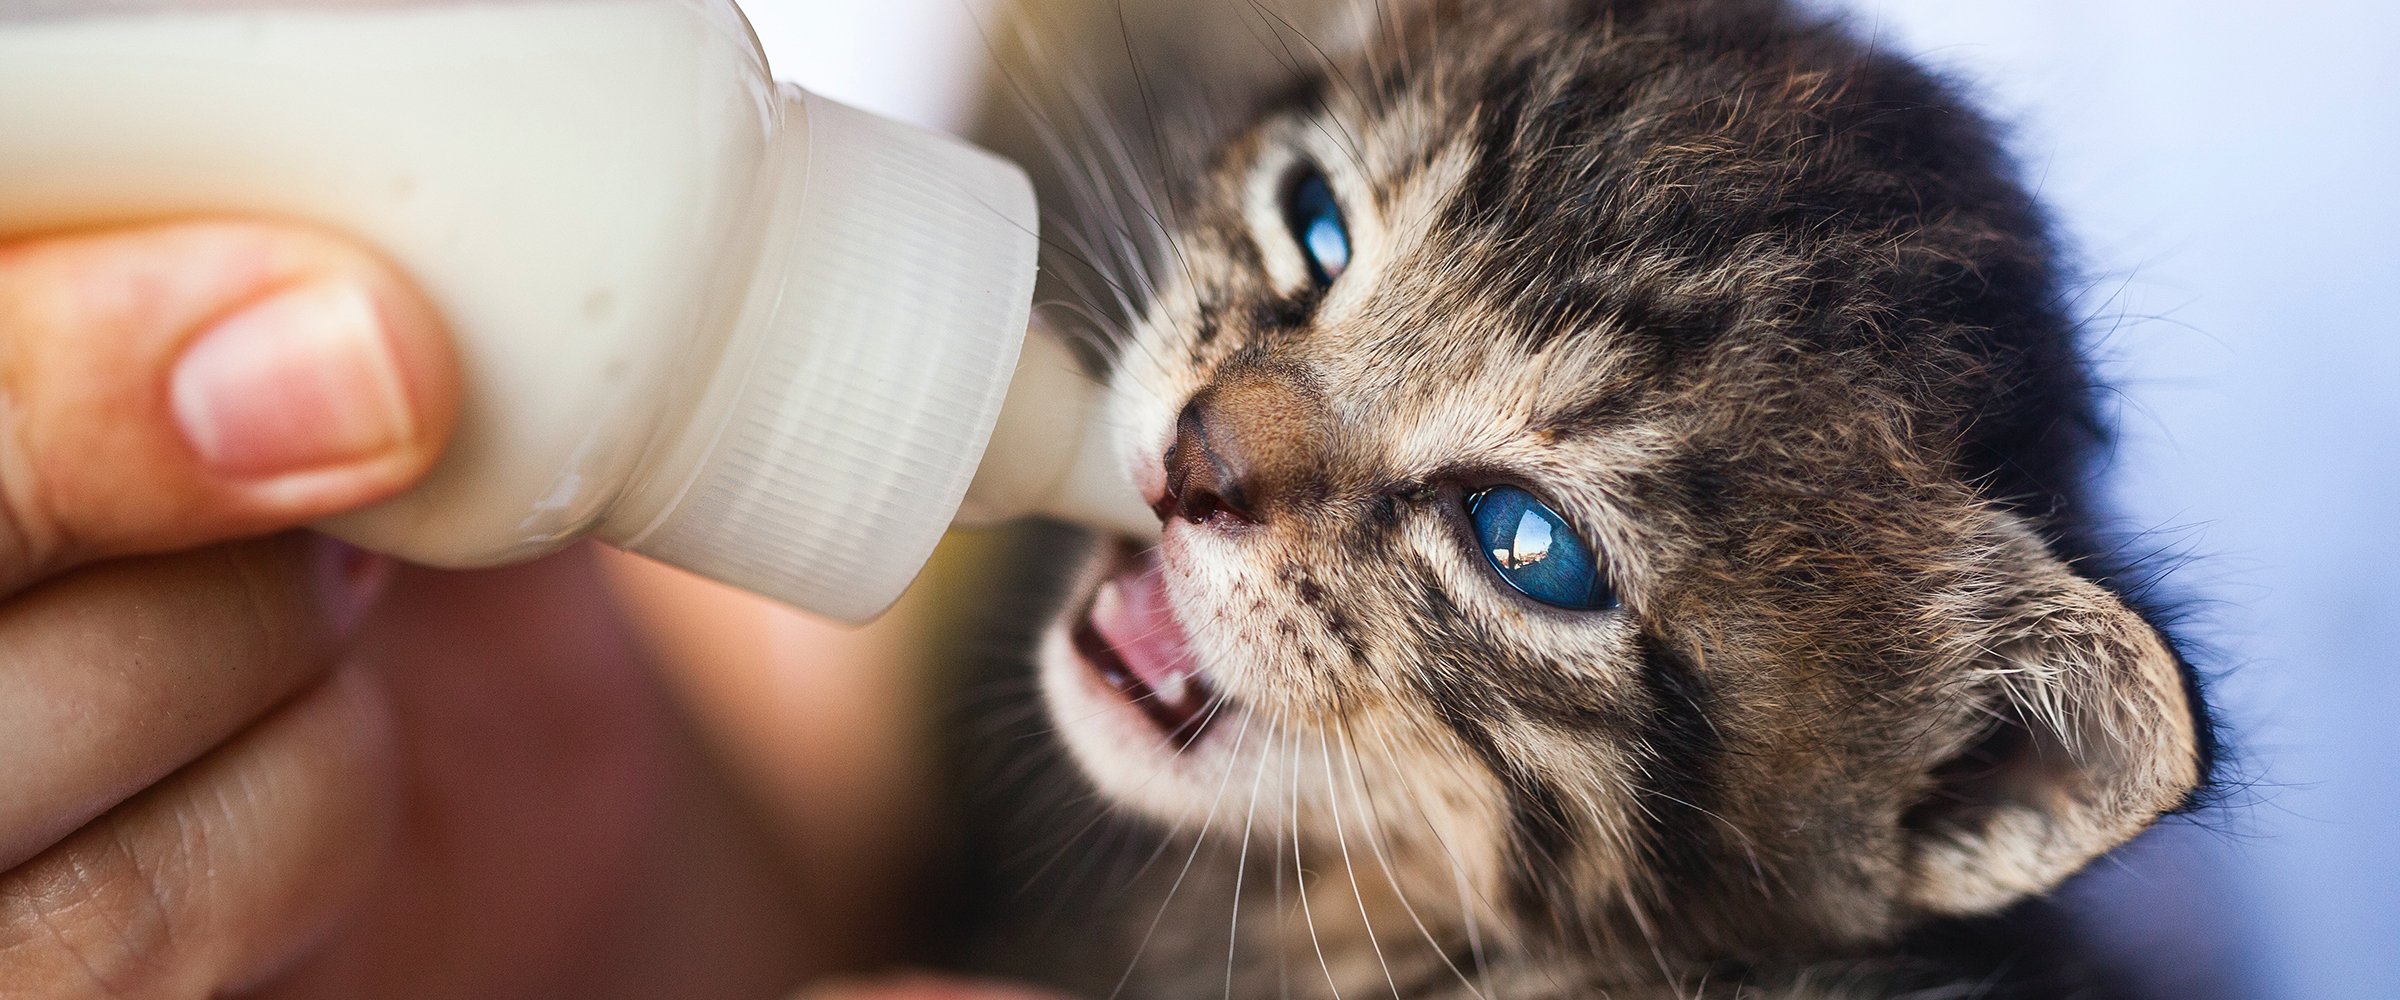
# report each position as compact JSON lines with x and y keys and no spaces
{"x":1316,"y":222}
{"x":1535,"y":550}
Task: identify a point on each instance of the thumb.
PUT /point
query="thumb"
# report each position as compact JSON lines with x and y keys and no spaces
{"x":168,"y":387}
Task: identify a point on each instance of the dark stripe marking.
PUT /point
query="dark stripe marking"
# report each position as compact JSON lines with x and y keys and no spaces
{"x":1681,"y":749}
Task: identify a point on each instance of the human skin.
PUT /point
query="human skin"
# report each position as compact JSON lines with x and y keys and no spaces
{"x":245,"y":760}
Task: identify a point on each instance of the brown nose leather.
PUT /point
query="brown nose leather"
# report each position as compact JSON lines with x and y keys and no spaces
{"x":1247,"y":448}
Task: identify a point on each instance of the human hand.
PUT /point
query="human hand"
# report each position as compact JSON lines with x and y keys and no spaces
{"x":191,"y":791}
{"x":226,"y":774}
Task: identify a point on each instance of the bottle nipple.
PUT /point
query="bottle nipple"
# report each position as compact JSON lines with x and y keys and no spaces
{"x":1054,"y":452}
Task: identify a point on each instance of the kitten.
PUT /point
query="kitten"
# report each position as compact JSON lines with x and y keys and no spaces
{"x":1623,"y":467}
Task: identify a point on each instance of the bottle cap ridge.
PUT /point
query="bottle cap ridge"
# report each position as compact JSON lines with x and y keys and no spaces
{"x":860,"y":416}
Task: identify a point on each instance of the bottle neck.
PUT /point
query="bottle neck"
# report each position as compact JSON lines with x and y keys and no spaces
{"x":863,"y":374}
{"x":1055,"y":452}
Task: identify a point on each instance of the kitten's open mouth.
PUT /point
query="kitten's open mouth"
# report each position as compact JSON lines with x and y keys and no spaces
{"x":1133,"y":643}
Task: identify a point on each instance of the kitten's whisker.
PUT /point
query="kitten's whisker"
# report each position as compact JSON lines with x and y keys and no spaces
{"x":1141,"y":86}
{"x":1637,"y":908}
{"x":1373,"y":827}
{"x":1083,"y":797}
{"x":1216,"y":801}
{"x":1068,"y":844}
{"x":1098,"y":202}
{"x":1174,"y":828}
{"x":1094,"y":795}
{"x":1088,"y":328}
{"x":1741,"y":836}
{"x":1086,"y":184}
{"x":1108,"y":182}
{"x":1468,"y":895}
{"x":1216,"y":704}
{"x":1083,"y":872}
{"x":1067,"y":246}
{"x":1465,"y":883}
{"x":1307,"y":913}
{"x":1283,"y":966}
{"x":1241,"y":864}
{"x":1165,"y":841}
{"x":1348,"y":140}
{"x":1350,"y":868}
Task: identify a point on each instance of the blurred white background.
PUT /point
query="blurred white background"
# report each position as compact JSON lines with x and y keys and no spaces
{"x":913,"y":59}
{"x":2225,"y":172}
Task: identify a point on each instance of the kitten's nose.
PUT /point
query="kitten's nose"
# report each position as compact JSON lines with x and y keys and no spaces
{"x":1246,"y":448}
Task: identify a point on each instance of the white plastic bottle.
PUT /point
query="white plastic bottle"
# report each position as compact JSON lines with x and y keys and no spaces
{"x":728,"y":324}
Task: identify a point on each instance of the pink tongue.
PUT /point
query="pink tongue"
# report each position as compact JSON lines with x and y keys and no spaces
{"x":1132,"y":616}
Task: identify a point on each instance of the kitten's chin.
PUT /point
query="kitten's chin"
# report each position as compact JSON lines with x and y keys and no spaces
{"x":1128,"y":696}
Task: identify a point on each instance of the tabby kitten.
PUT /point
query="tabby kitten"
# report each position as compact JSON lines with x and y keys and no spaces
{"x":1622,"y":466}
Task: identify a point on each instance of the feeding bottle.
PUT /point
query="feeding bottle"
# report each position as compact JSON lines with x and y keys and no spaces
{"x":703,"y":316}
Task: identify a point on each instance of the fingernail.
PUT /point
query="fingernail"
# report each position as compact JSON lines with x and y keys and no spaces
{"x":302,"y":382}
{"x":349,"y":580}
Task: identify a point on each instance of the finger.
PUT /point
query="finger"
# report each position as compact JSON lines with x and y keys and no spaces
{"x":173,"y":386}
{"x":224,"y":874}
{"x":113,"y":677}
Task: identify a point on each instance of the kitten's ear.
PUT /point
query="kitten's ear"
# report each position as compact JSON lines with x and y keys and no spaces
{"x":2089,"y":734}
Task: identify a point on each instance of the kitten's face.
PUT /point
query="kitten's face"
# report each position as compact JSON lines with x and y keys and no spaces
{"x":1723,"y":309}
